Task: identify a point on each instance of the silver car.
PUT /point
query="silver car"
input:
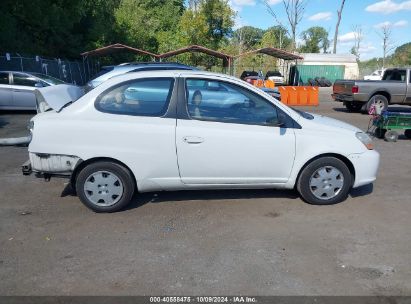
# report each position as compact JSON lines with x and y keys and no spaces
{"x":17,"y":89}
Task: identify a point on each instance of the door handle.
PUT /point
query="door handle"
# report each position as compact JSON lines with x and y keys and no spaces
{"x":193,"y":139}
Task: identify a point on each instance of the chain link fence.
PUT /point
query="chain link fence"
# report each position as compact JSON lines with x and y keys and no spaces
{"x":75,"y":72}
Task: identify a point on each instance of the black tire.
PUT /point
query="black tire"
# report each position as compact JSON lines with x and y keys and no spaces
{"x":407,"y":133}
{"x":306,"y":189}
{"x":391,"y":136}
{"x":120,"y":172}
{"x":353,"y":106}
{"x":380,"y":133}
{"x":379,"y":99}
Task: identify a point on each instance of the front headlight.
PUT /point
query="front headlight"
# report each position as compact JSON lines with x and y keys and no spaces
{"x":365,"y":139}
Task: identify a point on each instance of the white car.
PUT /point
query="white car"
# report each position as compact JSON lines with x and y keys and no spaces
{"x":169,"y":130}
{"x":376,"y":75}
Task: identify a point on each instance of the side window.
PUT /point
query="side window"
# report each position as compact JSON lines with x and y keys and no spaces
{"x":144,"y":97}
{"x":4,"y":78}
{"x":24,"y":80}
{"x":395,"y":75}
{"x":224,"y":102}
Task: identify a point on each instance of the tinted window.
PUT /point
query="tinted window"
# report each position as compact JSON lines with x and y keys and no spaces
{"x":225,"y":102}
{"x":4,"y":78}
{"x":148,"y":97}
{"x":395,"y":75}
{"x":48,"y":79}
{"x":24,"y":80}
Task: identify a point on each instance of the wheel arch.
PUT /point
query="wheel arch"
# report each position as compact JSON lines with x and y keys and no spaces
{"x":383,"y":93}
{"x":344,"y":159}
{"x":84,"y":163}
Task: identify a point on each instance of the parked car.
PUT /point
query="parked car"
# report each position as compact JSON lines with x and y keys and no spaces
{"x":108,"y":72}
{"x":394,"y":88}
{"x":185,"y":130}
{"x":275,"y":76}
{"x":247,"y":74}
{"x":17,"y":89}
{"x":376,"y":75}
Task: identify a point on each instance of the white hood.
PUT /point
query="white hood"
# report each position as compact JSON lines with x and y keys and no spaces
{"x":331,"y":122}
{"x":56,"y":97}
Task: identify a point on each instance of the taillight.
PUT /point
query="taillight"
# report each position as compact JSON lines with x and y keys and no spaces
{"x":355,"y":89}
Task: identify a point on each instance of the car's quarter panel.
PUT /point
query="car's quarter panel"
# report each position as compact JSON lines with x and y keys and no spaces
{"x":144,"y":144}
{"x":228,"y":153}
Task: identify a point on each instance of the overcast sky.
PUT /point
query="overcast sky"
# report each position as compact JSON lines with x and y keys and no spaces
{"x":370,"y":14}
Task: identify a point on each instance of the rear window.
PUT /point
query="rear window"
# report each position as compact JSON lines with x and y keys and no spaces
{"x":143,"y":97}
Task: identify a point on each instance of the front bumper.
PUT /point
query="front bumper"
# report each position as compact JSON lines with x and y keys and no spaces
{"x":366,"y":167}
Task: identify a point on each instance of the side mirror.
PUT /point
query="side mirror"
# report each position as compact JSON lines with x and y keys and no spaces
{"x":38,"y":85}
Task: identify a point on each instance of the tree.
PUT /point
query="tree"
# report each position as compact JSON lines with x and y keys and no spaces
{"x":387,"y":46}
{"x":220,"y":20}
{"x":339,"y":14}
{"x":294,"y":10}
{"x":142,"y":20}
{"x":358,"y":37}
{"x":276,"y":36}
{"x":247,"y":36}
{"x":315,"y":39}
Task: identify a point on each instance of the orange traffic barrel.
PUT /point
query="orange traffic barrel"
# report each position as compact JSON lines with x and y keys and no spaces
{"x":284,"y":94}
{"x":259,"y":83}
{"x":292,"y":96}
{"x":313,"y":96}
{"x":302,"y":96}
{"x":269,"y":84}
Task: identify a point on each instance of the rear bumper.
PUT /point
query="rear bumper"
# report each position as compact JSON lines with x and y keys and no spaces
{"x":366,"y":167}
{"x":342,"y":97}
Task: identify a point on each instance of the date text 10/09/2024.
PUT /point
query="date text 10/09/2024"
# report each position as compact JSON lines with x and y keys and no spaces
{"x":203,"y":299}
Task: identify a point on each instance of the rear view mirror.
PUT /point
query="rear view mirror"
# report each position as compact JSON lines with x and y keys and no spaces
{"x":38,"y":85}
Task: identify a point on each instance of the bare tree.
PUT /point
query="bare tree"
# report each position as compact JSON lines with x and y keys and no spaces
{"x":387,"y":45}
{"x":358,"y":37}
{"x":339,"y":14}
{"x":295,"y":12}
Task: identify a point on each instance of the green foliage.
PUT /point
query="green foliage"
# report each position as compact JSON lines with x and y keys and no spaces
{"x":277,"y":37}
{"x":400,"y":58}
{"x":315,"y":40}
{"x":247,"y":36}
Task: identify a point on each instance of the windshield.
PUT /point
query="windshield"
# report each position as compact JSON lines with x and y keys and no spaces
{"x":48,"y":79}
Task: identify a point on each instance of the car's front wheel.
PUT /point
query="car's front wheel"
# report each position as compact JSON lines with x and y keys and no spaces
{"x":325,"y":181}
{"x":105,"y":186}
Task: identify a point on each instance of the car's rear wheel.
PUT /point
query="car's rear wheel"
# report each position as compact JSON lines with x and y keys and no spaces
{"x":407,"y":133}
{"x":379,"y":102}
{"x":325,"y":181}
{"x":105,"y":186}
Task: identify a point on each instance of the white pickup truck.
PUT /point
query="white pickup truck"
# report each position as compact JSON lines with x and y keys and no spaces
{"x":357,"y":95}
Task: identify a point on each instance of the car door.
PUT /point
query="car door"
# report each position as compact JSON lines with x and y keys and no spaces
{"x":237,"y":141}
{"x":6,"y":96}
{"x":23,"y":86}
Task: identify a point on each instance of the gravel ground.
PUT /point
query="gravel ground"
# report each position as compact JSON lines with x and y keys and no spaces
{"x":256,"y":242}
